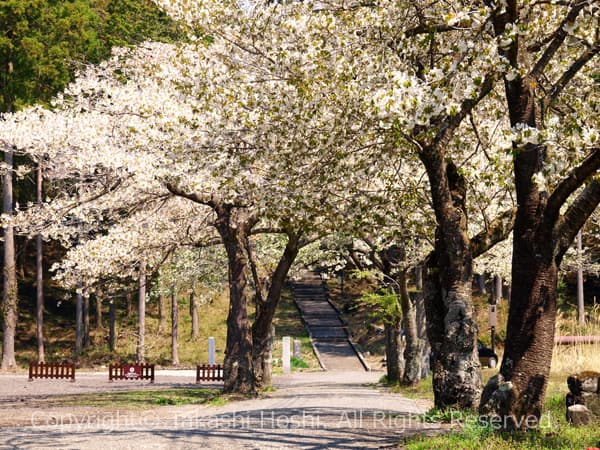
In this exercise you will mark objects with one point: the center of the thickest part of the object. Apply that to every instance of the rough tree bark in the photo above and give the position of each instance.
(266, 307)
(174, 328)
(393, 351)
(451, 328)
(414, 346)
(10, 295)
(234, 225)
(541, 234)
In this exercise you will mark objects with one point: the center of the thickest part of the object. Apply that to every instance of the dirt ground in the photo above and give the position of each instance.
(313, 410)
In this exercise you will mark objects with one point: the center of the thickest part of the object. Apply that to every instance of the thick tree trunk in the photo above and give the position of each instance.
(194, 316)
(451, 327)
(112, 326)
(141, 314)
(174, 328)
(393, 351)
(79, 321)
(10, 294)
(233, 226)
(161, 314)
(413, 346)
(263, 324)
(517, 392)
(39, 287)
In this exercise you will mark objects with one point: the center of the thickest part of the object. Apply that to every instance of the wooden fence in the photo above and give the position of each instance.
(131, 372)
(51, 370)
(206, 372)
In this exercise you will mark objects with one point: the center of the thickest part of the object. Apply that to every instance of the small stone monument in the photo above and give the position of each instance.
(583, 399)
(286, 355)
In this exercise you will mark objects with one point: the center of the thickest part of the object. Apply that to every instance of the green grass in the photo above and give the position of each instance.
(143, 398)
(475, 433)
(59, 329)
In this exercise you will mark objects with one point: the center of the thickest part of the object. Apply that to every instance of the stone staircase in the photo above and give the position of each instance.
(326, 329)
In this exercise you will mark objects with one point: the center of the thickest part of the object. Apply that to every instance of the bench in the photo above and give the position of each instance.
(207, 372)
(51, 370)
(131, 372)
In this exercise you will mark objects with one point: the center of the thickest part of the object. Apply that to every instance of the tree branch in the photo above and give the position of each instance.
(204, 199)
(570, 184)
(559, 35)
(496, 232)
(576, 215)
(569, 74)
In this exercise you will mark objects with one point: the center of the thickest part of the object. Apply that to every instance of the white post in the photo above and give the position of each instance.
(211, 351)
(287, 367)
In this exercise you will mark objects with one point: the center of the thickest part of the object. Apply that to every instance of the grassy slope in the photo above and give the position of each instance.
(59, 333)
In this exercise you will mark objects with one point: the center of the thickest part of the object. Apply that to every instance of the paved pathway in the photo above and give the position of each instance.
(318, 410)
(324, 325)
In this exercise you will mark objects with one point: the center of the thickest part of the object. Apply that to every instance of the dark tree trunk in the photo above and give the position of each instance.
(414, 346)
(234, 225)
(39, 285)
(161, 313)
(451, 328)
(79, 321)
(541, 235)
(98, 313)
(112, 328)
(481, 283)
(140, 354)
(86, 321)
(393, 351)
(174, 328)
(194, 316)
(263, 324)
(422, 321)
(9, 298)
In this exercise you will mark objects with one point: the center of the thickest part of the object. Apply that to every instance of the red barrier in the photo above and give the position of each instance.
(51, 370)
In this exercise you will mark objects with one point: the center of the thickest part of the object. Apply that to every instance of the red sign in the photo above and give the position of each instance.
(132, 371)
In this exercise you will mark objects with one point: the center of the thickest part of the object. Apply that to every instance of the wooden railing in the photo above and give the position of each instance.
(51, 370)
(131, 372)
(206, 372)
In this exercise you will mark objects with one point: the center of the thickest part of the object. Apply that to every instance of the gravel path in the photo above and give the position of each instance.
(311, 410)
